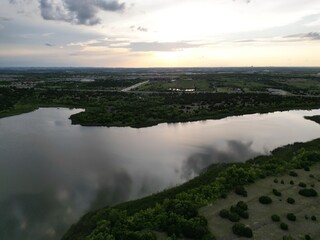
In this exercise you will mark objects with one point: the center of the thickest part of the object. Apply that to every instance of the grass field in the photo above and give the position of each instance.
(260, 215)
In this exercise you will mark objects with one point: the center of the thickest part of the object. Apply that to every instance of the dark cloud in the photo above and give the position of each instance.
(304, 36)
(83, 12)
(139, 28)
(246, 41)
(161, 46)
(19, 1)
(235, 152)
(5, 19)
(142, 29)
(49, 45)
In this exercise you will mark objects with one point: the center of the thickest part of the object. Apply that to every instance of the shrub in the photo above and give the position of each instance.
(242, 205)
(224, 213)
(302, 184)
(223, 195)
(244, 214)
(290, 200)
(312, 185)
(284, 226)
(238, 210)
(262, 176)
(282, 182)
(307, 169)
(291, 217)
(307, 237)
(234, 217)
(240, 190)
(241, 230)
(293, 174)
(314, 218)
(306, 217)
(308, 192)
(275, 180)
(265, 200)
(275, 218)
(311, 176)
(276, 192)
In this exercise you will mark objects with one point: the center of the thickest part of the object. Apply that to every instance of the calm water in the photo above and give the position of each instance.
(52, 172)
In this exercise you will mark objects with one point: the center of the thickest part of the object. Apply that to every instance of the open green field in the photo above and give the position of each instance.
(260, 215)
(239, 82)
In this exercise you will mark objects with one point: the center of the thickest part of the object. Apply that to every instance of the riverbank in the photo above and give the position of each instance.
(175, 211)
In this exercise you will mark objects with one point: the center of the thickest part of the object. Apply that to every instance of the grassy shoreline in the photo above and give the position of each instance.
(158, 212)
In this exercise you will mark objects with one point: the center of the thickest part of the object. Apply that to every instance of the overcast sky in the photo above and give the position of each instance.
(159, 33)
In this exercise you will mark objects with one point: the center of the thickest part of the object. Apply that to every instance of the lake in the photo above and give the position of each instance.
(52, 172)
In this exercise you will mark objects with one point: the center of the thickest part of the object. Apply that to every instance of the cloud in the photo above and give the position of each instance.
(236, 152)
(246, 1)
(306, 36)
(5, 19)
(82, 12)
(300, 37)
(161, 46)
(139, 28)
(49, 45)
(19, 1)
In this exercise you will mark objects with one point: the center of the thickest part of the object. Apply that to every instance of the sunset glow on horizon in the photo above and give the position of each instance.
(140, 33)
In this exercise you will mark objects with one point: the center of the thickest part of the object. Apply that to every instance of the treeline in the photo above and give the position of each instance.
(147, 110)
(142, 110)
(10, 96)
(177, 214)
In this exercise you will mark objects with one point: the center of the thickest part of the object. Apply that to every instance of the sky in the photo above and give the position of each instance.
(159, 33)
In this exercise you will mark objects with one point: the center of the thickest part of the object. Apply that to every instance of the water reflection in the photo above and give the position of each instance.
(235, 151)
(51, 172)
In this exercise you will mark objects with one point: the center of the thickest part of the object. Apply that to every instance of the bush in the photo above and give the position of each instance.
(314, 218)
(282, 182)
(311, 176)
(291, 217)
(302, 184)
(308, 192)
(275, 180)
(223, 195)
(244, 214)
(224, 213)
(275, 218)
(234, 217)
(307, 237)
(284, 226)
(262, 176)
(242, 205)
(291, 182)
(276, 192)
(307, 169)
(240, 190)
(195, 228)
(290, 200)
(241, 230)
(265, 200)
(306, 217)
(293, 174)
